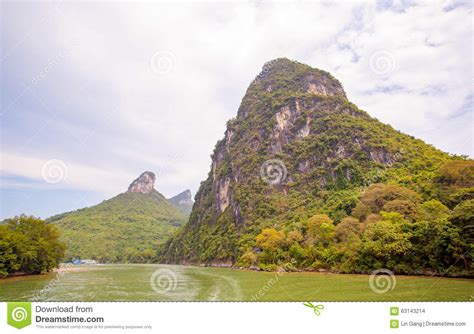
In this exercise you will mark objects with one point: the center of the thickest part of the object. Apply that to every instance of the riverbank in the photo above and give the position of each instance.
(64, 268)
(230, 265)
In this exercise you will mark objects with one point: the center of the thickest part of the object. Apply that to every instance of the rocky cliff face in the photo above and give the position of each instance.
(143, 184)
(184, 201)
(296, 145)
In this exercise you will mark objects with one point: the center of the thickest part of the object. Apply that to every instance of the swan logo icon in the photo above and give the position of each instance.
(19, 314)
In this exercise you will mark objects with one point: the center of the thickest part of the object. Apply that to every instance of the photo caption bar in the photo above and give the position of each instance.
(97, 317)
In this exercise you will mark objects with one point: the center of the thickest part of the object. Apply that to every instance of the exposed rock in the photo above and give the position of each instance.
(322, 86)
(223, 197)
(183, 201)
(304, 131)
(381, 156)
(228, 137)
(303, 166)
(143, 184)
(283, 129)
(341, 152)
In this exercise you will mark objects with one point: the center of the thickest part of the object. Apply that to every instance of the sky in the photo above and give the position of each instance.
(93, 94)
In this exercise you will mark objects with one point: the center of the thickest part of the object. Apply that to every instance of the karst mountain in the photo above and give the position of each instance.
(298, 148)
(126, 228)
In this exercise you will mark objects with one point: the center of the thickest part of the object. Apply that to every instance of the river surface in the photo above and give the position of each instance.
(150, 282)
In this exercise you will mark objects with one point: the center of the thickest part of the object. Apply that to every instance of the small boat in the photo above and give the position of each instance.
(87, 261)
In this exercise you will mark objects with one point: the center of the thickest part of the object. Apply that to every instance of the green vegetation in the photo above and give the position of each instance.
(127, 228)
(358, 195)
(390, 226)
(411, 238)
(28, 246)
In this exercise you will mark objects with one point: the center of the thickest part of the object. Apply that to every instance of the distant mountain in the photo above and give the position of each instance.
(126, 228)
(301, 169)
(183, 201)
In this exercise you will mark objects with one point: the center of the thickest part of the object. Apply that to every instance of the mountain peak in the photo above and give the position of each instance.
(290, 75)
(183, 201)
(282, 79)
(143, 184)
(187, 193)
(184, 196)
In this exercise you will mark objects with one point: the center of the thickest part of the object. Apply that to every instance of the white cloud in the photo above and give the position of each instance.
(115, 117)
(57, 173)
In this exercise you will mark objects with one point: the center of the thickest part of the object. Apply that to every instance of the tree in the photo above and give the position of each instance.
(377, 195)
(320, 230)
(406, 208)
(349, 253)
(346, 227)
(372, 218)
(248, 259)
(459, 174)
(294, 237)
(463, 215)
(8, 258)
(437, 246)
(271, 242)
(29, 245)
(319, 241)
(463, 218)
(270, 239)
(434, 210)
(385, 243)
(454, 182)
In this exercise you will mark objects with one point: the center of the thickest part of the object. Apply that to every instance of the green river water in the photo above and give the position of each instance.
(133, 282)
